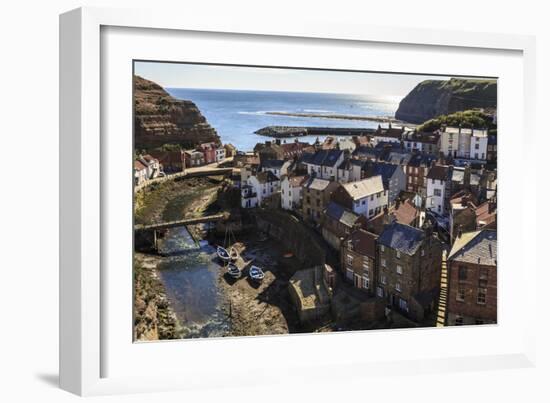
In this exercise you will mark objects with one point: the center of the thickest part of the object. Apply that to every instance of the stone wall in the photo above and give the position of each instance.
(304, 243)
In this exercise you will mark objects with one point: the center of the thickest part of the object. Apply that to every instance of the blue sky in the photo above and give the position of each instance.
(179, 75)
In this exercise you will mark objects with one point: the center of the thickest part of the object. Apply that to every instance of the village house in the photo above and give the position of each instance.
(193, 158)
(338, 222)
(438, 188)
(472, 265)
(367, 152)
(269, 150)
(403, 212)
(409, 262)
(400, 158)
(316, 194)
(417, 170)
(350, 170)
(154, 168)
(324, 164)
(277, 167)
(220, 153)
(492, 149)
(461, 142)
(478, 144)
(393, 177)
(172, 161)
(366, 197)
(424, 142)
(295, 149)
(291, 192)
(209, 151)
(358, 259)
(230, 150)
(262, 185)
(140, 172)
(387, 135)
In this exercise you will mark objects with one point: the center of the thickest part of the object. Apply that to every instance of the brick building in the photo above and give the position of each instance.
(409, 262)
(472, 265)
(416, 172)
(316, 197)
(358, 259)
(338, 222)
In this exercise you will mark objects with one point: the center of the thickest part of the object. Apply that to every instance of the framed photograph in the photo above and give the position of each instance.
(235, 196)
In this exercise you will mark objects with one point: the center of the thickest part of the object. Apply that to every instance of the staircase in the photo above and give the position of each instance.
(443, 292)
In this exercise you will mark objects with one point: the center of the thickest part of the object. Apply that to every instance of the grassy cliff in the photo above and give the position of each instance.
(433, 98)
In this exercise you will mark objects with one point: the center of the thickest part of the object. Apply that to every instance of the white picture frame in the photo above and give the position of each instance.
(85, 344)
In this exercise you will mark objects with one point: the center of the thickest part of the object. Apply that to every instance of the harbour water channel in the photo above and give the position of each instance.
(190, 274)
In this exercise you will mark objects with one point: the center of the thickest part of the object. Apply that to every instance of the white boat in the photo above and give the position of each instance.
(233, 270)
(233, 253)
(223, 254)
(255, 273)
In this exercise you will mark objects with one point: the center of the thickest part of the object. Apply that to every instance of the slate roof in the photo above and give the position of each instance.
(325, 157)
(418, 160)
(404, 238)
(478, 247)
(364, 242)
(363, 188)
(367, 151)
(401, 158)
(317, 184)
(276, 164)
(266, 176)
(385, 170)
(341, 214)
(439, 172)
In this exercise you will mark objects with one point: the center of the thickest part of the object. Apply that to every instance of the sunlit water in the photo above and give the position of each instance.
(237, 114)
(190, 277)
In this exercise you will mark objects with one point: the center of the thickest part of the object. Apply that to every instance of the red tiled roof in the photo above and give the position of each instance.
(406, 213)
(138, 165)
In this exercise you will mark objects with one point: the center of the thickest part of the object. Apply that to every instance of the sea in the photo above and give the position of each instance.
(237, 114)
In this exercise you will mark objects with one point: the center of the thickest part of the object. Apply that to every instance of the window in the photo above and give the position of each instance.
(382, 249)
(363, 202)
(477, 146)
(482, 283)
(380, 292)
(459, 320)
(397, 254)
(365, 282)
(372, 197)
(383, 279)
(460, 294)
(399, 269)
(349, 274)
(378, 195)
(433, 181)
(437, 192)
(383, 262)
(483, 274)
(366, 264)
(350, 259)
(371, 212)
(462, 273)
(398, 286)
(403, 305)
(481, 296)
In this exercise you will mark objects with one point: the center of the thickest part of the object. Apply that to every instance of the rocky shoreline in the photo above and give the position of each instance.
(153, 317)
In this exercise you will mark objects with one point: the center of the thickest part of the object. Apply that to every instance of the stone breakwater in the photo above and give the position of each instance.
(299, 131)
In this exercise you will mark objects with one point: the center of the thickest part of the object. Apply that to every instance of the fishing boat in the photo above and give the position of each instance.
(223, 254)
(256, 274)
(233, 270)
